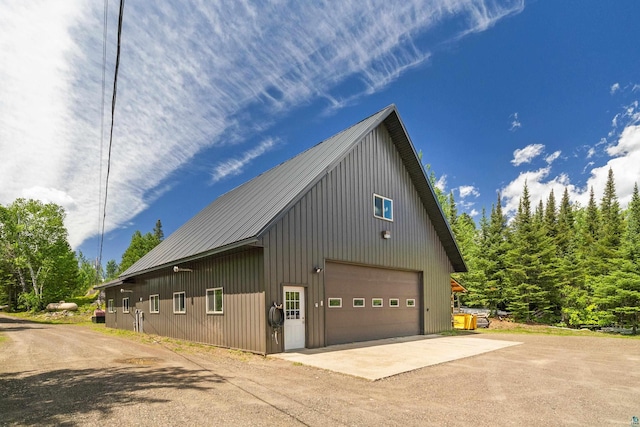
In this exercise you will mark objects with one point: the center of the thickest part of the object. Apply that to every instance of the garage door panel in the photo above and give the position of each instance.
(350, 324)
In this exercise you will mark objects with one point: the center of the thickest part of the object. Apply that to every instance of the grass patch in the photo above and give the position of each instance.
(456, 332)
(82, 316)
(175, 345)
(77, 318)
(502, 327)
(2, 338)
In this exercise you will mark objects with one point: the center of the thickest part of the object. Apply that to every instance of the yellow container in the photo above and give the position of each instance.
(465, 321)
(471, 322)
(459, 320)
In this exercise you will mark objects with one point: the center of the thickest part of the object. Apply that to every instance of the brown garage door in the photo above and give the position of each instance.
(368, 303)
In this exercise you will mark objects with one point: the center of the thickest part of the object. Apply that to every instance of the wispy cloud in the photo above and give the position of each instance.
(233, 167)
(614, 88)
(552, 157)
(441, 183)
(468, 190)
(526, 154)
(515, 122)
(193, 75)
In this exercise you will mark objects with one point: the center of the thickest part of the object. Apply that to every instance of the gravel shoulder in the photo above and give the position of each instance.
(73, 375)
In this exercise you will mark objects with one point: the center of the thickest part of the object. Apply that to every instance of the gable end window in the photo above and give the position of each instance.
(214, 301)
(179, 305)
(125, 305)
(154, 303)
(382, 207)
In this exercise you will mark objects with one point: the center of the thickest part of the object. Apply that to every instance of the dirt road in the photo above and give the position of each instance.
(71, 375)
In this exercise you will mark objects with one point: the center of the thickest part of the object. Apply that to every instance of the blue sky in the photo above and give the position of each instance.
(211, 94)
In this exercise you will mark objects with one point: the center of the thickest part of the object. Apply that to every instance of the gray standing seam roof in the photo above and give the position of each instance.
(239, 216)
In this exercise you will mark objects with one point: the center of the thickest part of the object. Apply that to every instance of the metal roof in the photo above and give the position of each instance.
(238, 217)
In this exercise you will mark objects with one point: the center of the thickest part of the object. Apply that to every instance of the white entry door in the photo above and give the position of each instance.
(294, 330)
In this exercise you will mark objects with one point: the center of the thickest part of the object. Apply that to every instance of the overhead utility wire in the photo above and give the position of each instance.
(113, 110)
(104, 90)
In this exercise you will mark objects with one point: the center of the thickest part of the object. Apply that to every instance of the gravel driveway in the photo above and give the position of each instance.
(73, 375)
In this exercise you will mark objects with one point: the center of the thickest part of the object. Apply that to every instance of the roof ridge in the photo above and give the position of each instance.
(245, 211)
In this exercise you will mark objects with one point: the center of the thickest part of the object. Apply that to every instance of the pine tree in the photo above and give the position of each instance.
(618, 292)
(565, 230)
(550, 216)
(497, 291)
(611, 236)
(157, 231)
(452, 211)
(538, 217)
(140, 245)
(530, 266)
(631, 247)
(589, 256)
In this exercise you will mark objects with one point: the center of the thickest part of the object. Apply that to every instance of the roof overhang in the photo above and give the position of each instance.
(247, 243)
(457, 287)
(110, 284)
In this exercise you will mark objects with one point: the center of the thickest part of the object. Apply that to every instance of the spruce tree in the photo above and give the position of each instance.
(565, 227)
(497, 291)
(530, 267)
(631, 246)
(611, 236)
(618, 292)
(550, 216)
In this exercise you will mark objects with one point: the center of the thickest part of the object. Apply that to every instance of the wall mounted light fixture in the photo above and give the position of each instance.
(317, 270)
(386, 234)
(122, 291)
(177, 269)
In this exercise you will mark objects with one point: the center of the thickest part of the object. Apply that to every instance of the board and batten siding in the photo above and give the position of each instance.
(243, 322)
(334, 221)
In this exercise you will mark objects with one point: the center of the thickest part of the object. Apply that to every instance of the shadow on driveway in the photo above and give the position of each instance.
(54, 397)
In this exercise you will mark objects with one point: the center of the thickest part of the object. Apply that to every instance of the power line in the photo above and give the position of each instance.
(113, 110)
(104, 90)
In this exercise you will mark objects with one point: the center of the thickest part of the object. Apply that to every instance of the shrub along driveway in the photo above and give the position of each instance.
(73, 375)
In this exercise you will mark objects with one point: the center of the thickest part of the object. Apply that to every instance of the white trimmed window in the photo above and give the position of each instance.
(125, 305)
(110, 306)
(179, 303)
(377, 302)
(358, 302)
(214, 301)
(411, 302)
(382, 207)
(154, 303)
(335, 302)
(394, 302)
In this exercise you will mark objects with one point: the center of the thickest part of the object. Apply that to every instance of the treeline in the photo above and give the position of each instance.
(555, 264)
(37, 264)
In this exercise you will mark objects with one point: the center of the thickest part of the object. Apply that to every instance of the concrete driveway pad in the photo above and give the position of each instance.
(374, 360)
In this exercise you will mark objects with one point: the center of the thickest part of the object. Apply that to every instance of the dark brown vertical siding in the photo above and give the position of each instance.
(243, 323)
(334, 221)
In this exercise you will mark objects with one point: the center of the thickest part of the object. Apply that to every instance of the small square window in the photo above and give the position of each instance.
(382, 207)
(358, 302)
(335, 302)
(125, 305)
(179, 305)
(154, 303)
(394, 302)
(377, 302)
(214, 301)
(110, 306)
(411, 302)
